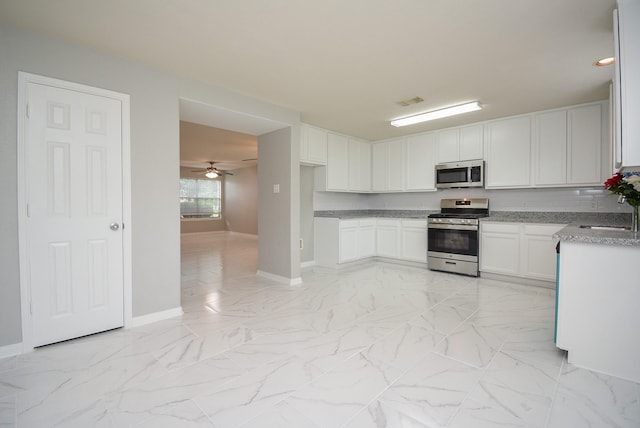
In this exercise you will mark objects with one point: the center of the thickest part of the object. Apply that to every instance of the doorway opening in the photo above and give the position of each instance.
(222, 146)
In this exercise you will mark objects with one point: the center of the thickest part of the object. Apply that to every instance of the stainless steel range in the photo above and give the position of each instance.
(453, 237)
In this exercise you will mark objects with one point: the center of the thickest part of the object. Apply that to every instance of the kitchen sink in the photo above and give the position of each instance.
(619, 228)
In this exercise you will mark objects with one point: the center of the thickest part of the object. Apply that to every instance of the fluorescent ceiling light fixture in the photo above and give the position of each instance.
(437, 114)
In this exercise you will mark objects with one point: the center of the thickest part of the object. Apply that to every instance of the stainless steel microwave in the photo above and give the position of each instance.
(460, 174)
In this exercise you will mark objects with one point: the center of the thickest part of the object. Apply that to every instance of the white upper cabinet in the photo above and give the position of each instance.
(627, 84)
(458, 144)
(379, 167)
(337, 162)
(550, 148)
(568, 146)
(420, 162)
(388, 166)
(471, 142)
(359, 166)
(348, 165)
(561, 147)
(508, 152)
(584, 148)
(396, 166)
(313, 145)
(448, 149)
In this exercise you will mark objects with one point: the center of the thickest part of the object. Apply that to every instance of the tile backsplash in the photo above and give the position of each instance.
(554, 199)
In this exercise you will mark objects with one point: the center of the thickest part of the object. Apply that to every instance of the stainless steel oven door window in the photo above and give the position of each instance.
(453, 241)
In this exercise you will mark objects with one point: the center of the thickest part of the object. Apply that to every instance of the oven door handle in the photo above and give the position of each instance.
(452, 226)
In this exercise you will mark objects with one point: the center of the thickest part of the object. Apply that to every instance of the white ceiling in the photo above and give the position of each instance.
(345, 63)
(201, 144)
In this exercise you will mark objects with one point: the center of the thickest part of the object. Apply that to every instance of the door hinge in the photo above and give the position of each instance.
(31, 307)
(28, 211)
(27, 112)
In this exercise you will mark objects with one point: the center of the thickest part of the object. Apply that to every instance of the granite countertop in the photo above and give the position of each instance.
(572, 232)
(573, 220)
(557, 217)
(350, 214)
(575, 233)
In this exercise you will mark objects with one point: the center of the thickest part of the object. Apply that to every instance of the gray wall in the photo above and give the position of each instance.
(241, 200)
(278, 221)
(306, 213)
(154, 147)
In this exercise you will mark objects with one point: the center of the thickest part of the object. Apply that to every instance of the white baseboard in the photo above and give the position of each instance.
(519, 280)
(308, 264)
(156, 316)
(10, 350)
(280, 279)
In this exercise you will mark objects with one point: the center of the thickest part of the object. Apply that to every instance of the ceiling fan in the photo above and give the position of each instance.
(211, 171)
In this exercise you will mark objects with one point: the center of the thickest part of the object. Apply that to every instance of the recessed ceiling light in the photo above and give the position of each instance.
(437, 114)
(604, 61)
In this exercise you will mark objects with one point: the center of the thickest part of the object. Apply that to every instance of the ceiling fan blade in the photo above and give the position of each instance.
(246, 160)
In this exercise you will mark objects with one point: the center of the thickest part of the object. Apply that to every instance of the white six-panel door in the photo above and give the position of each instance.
(73, 175)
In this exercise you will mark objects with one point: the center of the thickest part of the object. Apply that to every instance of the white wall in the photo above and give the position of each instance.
(154, 147)
(241, 200)
(558, 199)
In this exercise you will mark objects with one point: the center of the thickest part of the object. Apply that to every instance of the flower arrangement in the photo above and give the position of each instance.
(626, 185)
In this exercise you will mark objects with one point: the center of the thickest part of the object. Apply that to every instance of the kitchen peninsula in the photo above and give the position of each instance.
(598, 296)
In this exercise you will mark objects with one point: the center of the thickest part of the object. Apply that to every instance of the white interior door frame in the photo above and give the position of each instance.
(24, 79)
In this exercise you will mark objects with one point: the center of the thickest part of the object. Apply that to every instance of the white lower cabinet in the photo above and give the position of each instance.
(388, 238)
(367, 238)
(499, 248)
(348, 239)
(341, 241)
(524, 250)
(597, 311)
(413, 240)
(538, 251)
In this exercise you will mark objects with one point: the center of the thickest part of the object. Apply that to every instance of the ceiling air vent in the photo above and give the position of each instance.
(414, 100)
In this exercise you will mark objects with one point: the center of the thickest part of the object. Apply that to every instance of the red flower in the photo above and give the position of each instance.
(613, 181)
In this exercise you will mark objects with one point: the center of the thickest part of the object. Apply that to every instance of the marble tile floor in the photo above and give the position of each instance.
(375, 345)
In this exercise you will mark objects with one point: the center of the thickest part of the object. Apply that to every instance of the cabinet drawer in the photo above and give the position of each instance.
(387, 222)
(415, 224)
(367, 222)
(501, 227)
(349, 223)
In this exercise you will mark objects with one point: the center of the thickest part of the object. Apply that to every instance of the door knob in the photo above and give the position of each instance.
(114, 226)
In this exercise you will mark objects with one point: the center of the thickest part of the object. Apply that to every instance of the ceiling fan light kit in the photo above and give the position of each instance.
(437, 114)
(211, 171)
